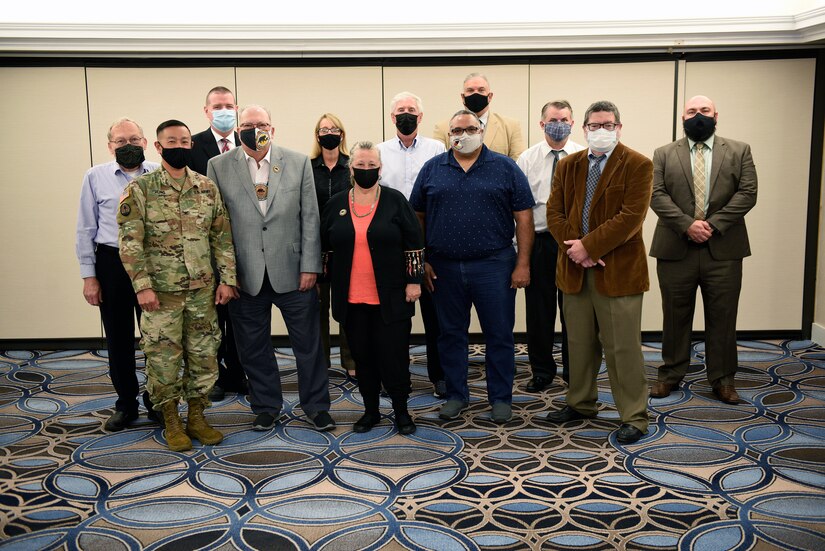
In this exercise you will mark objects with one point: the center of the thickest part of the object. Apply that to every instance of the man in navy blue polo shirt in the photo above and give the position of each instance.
(466, 200)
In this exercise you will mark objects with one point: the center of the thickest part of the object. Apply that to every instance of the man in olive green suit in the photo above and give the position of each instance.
(703, 187)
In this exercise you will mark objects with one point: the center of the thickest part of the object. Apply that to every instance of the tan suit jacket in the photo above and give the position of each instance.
(732, 195)
(617, 212)
(502, 135)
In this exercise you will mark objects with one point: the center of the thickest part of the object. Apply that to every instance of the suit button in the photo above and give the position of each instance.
(264, 228)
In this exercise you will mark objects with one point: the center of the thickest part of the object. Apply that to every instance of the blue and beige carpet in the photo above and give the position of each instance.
(708, 476)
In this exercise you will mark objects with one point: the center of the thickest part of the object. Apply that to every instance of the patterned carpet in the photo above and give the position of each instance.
(707, 476)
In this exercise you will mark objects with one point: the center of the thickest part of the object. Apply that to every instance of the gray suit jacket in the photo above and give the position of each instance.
(732, 195)
(286, 240)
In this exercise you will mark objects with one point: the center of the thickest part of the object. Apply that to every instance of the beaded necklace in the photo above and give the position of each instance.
(372, 208)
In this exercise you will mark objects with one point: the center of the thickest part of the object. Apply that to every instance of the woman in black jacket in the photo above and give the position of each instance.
(373, 253)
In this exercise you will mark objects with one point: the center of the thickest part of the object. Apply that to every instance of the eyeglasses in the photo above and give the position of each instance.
(609, 126)
(259, 126)
(471, 130)
(325, 131)
(120, 142)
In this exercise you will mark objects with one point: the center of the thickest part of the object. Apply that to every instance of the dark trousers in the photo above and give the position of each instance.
(720, 282)
(252, 319)
(346, 356)
(382, 355)
(230, 372)
(431, 332)
(118, 311)
(540, 302)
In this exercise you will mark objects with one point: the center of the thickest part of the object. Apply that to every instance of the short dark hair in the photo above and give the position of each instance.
(171, 122)
(558, 104)
(466, 112)
(600, 106)
(218, 90)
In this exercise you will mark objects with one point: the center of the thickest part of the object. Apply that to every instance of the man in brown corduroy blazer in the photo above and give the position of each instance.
(597, 206)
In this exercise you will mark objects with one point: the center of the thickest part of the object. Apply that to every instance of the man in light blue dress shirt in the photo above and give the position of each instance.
(401, 159)
(105, 282)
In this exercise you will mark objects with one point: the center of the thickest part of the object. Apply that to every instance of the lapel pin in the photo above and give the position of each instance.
(342, 212)
(276, 169)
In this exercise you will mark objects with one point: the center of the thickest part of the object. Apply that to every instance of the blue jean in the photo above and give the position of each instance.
(485, 284)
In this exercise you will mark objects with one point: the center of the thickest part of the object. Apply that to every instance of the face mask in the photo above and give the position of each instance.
(557, 130)
(223, 119)
(406, 123)
(329, 141)
(365, 177)
(176, 157)
(699, 127)
(129, 156)
(476, 102)
(255, 139)
(601, 140)
(467, 144)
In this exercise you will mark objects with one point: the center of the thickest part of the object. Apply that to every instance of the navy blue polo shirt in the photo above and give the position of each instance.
(469, 214)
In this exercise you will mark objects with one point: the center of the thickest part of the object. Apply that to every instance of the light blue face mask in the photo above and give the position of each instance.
(224, 119)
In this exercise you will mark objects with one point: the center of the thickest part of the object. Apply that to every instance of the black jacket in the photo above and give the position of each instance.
(204, 147)
(396, 248)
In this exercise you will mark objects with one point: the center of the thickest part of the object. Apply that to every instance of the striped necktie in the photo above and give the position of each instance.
(699, 181)
(224, 145)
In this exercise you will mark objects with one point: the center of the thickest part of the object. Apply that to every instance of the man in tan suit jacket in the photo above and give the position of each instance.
(596, 210)
(701, 245)
(501, 134)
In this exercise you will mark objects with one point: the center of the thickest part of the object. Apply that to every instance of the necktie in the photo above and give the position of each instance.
(593, 175)
(224, 145)
(699, 181)
(556, 157)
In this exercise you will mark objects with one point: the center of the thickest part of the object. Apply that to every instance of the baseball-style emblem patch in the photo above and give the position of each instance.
(342, 212)
(261, 140)
(125, 209)
(260, 191)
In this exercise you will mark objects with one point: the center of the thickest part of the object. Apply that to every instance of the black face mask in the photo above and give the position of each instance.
(406, 123)
(176, 157)
(254, 139)
(365, 177)
(329, 141)
(699, 127)
(129, 156)
(476, 102)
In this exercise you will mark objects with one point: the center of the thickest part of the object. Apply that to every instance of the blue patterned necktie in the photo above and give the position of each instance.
(593, 176)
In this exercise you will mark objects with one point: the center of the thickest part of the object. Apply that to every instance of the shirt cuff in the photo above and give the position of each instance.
(87, 270)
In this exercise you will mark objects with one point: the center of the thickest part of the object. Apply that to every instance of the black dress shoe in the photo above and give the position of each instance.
(366, 422)
(404, 423)
(537, 384)
(627, 434)
(566, 414)
(119, 421)
(217, 394)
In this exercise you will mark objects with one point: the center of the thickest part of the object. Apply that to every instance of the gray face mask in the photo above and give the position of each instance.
(466, 143)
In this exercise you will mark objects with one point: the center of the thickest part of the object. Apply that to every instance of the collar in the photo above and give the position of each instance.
(603, 158)
(484, 157)
(708, 142)
(546, 149)
(413, 145)
(218, 137)
(247, 156)
(318, 161)
(142, 168)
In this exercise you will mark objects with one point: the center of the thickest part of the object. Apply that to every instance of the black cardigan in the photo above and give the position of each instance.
(396, 248)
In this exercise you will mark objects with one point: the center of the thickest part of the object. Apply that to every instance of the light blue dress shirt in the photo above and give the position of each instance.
(400, 165)
(97, 218)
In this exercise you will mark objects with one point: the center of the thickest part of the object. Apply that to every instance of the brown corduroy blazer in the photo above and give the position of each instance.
(617, 212)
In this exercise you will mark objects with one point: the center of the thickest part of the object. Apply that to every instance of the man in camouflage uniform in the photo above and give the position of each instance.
(172, 222)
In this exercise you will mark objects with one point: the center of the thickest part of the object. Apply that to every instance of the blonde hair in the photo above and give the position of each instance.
(342, 147)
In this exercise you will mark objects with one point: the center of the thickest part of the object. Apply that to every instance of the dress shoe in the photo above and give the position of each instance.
(727, 394)
(404, 423)
(627, 434)
(217, 394)
(537, 384)
(566, 414)
(660, 389)
(119, 421)
(366, 422)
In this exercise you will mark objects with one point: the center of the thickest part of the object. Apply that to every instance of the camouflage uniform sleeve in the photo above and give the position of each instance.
(130, 217)
(220, 240)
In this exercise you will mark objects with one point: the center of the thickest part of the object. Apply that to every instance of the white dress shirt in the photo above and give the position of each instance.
(260, 175)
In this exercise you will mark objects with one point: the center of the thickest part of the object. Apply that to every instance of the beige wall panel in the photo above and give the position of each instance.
(646, 113)
(773, 277)
(39, 197)
(149, 96)
(298, 96)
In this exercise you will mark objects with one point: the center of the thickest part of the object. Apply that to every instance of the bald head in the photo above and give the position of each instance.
(699, 104)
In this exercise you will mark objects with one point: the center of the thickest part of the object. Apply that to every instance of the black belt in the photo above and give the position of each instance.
(106, 249)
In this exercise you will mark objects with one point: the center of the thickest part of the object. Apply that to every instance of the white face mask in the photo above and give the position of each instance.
(465, 143)
(601, 140)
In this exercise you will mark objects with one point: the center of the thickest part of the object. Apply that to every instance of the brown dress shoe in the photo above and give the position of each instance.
(661, 389)
(726, 393)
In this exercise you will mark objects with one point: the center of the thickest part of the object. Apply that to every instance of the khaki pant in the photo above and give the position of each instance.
(597, 323)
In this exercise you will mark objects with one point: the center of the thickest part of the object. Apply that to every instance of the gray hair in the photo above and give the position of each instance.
(406, 95)
(118, 123)
(600, 106)
(477, 75)
(362, 146)
(466, 112)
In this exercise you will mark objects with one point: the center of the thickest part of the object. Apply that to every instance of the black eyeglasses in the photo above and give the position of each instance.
(609, 126)
(471, 130)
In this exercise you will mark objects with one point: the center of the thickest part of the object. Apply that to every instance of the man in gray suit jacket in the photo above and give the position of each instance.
(703, 186)
(270, 194)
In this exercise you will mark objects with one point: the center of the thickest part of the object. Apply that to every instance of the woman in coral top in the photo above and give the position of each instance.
(373, 252)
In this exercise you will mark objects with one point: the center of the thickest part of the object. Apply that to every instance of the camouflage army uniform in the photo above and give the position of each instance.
(168, 235)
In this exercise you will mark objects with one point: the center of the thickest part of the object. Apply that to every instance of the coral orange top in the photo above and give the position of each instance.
(362, 288)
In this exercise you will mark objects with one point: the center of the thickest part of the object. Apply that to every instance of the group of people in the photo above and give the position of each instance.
(461, 220)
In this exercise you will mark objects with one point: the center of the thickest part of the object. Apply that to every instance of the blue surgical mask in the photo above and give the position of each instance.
(557, 130)
(224, 119)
